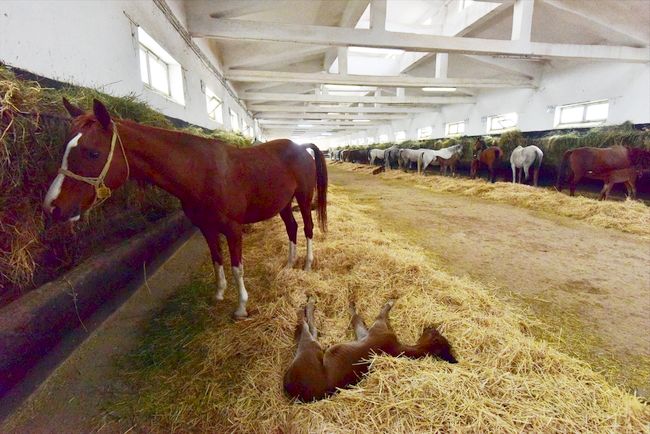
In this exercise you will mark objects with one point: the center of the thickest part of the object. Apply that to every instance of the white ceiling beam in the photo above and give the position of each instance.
(357, 99)
(342, 116)
(378, 15)
(371, 80)
(350, 17)
(246, 59)
(329, 123)
(528, 70)
(317, 109)
(522, 20)
(206, 27)
(343, 60)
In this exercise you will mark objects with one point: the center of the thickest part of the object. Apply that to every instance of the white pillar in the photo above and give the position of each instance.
(522, 20)
(442, 62)
(343, 60)
(378, 15)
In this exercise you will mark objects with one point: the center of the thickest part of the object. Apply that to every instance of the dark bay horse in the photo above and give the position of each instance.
(315, 374)
(485, 156)
(220, 187)
(595, 163)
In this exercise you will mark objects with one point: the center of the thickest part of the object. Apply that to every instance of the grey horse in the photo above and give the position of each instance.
(522, 158)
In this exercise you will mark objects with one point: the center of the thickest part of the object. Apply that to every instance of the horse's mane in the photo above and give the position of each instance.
(639, 157)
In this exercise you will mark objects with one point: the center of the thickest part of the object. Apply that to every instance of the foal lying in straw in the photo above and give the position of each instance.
(315, 374)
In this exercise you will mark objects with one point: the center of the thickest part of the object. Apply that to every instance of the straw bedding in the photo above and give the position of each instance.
(630, 216)
(198, 371)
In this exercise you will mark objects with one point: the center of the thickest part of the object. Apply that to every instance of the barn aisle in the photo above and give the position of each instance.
(589, 285)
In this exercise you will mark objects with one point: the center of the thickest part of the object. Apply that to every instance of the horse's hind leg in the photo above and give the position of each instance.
(359, 326)
(292, 232)
(304, 203)
(631, 189)
(514, 173)
(535, 176)
(382, 324)
(309, 312)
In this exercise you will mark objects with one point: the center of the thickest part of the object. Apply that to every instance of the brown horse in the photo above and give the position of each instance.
(588, 162)
(316, 374)
(627, 176)
(485, 156)
(221, 188)
(450, 163)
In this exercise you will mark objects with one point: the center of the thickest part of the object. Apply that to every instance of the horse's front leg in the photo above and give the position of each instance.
(292, 231)
(234, 236)
(211, 235)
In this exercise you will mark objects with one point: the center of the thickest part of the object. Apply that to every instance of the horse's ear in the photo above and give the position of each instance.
(72, 109)
(101, 113)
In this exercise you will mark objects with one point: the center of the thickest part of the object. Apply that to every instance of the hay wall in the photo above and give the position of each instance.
(33, 129)
(197, 371)
(552, 143)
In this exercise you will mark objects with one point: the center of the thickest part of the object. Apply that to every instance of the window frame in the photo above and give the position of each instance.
(583, 122)
(209, 96)
(448, 128)
(491, 119)
(427, 136)
(148, 55)
(236, 127)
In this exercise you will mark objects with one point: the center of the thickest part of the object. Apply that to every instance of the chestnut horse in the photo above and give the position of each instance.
(220, 187)
(316, 374)
(589, 162)
(485, 156)
(450, 163)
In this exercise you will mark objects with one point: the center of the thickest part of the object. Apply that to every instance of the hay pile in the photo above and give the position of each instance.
(198, 371)
(630, 216)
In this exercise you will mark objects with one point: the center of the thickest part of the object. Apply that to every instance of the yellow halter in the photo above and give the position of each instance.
(102, 192)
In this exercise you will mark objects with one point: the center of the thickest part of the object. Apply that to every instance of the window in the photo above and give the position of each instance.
(455, 128)
(215, 106)
(501, 122)
(425, 132)
(244, 128)
(582, 114)
(400, 136)
(383, 138)
(158, 69)
(371, 140)
(234, 121)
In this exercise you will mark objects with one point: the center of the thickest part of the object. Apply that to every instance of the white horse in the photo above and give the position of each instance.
(376, 154)
(523, 158)
(408, 156)
(429, 155)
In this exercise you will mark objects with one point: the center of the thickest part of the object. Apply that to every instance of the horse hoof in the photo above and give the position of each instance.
(239, 316)
(218, 297)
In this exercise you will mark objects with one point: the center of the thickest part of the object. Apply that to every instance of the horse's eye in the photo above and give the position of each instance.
(92, 154)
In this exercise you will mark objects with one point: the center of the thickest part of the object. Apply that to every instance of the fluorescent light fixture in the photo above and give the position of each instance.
(305, 125)
(325, 134)
(332, 113)
(360, 120)
(439, 89)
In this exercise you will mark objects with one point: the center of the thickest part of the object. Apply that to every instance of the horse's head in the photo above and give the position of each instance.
(639, 157)
(94, 163)
(479, 144)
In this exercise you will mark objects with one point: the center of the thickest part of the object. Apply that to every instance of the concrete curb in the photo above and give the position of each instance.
(32, 325)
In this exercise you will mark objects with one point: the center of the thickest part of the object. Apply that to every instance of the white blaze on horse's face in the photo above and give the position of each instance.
(55, 188)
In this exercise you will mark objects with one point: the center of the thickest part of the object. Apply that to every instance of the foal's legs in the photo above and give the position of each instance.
(211, 236)
(304, 203)
(359, 326)
(631, 189)
(292, 231)
(382, 324)
(309, 314)
(234, 236)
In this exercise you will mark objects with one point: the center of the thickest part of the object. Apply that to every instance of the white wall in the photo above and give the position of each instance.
(94, 43)
(626, 86)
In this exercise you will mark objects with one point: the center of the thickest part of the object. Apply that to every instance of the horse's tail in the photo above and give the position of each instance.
(499, 153)
(563, 166)
(539, 155)
(321, 186)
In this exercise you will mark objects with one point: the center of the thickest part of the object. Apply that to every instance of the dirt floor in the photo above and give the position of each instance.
(590, 287)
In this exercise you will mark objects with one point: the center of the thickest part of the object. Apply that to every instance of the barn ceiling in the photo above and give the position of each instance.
(306, 67)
